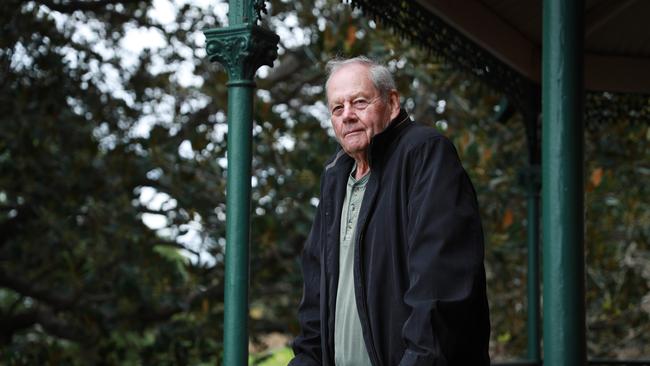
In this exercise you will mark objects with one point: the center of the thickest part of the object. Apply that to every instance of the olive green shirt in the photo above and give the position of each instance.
(349, 347)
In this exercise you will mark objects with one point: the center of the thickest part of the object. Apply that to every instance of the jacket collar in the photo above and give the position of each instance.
(382, 140)
(396, 125)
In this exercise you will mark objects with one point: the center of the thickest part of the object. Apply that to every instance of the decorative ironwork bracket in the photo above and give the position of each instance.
(242, 49)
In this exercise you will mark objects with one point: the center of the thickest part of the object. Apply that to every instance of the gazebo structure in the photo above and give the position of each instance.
(565, 52)
(551, 58)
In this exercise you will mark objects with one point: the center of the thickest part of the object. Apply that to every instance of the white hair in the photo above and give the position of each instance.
(379, 74)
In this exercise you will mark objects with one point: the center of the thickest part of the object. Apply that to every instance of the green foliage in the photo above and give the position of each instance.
(95, 140)
(276, 357)
(618, 240)
(84, 280)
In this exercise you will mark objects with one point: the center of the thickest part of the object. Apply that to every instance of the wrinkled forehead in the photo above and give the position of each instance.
(348, 82)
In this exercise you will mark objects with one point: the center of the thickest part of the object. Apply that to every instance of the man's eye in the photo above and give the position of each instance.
(360, 104)
(337, 109)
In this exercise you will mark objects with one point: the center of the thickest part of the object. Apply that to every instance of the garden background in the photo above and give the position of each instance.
(112, 183)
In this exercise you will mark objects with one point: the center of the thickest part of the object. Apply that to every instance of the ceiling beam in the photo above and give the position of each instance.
(600, 15)
(490, 32)
(477, 22)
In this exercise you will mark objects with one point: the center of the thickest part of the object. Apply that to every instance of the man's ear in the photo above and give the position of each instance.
(393, 103)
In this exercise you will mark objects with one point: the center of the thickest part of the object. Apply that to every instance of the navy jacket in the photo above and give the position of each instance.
(418, 266)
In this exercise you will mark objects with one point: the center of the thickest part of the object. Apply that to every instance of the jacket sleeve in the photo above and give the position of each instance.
(307, 346)
(444, 254)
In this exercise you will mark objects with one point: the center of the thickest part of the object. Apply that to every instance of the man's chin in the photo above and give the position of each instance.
(355, 150)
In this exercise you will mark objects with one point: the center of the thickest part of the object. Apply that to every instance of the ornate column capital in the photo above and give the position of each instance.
(242, 49)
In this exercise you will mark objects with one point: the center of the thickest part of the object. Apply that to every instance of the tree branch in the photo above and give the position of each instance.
(9, 325)
(72, 6)
(143, 209)
(167, 312)
(294, 61)
(25, 288)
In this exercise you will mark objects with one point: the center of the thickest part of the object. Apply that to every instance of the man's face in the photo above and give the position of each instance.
(357, 110)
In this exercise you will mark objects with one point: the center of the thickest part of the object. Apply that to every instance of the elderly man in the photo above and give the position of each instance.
(393, 266)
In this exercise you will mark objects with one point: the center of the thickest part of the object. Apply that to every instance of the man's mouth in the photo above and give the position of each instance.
(353, 132)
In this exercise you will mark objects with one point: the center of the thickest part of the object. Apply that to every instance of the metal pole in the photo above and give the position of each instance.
(562, 183)
(241, 48)
(240, 99)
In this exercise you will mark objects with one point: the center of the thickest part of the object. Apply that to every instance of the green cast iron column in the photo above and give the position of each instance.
(238, 221)
(241, 48)
(562, 183)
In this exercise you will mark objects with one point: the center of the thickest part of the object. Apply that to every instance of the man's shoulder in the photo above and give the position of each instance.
(424, 131)
(419, 134)
(338, 156)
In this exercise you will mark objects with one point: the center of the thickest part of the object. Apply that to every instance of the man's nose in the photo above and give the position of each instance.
(349, 114)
